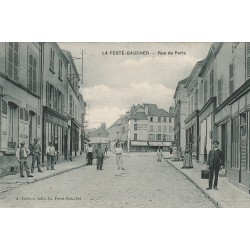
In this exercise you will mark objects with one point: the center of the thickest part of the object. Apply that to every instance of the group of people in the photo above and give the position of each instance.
(22, 154)
(100, 155)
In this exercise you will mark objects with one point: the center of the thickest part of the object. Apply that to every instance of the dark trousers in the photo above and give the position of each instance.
(90, 158)
(35, 158)
(99, 162)
(23, 164)
(50, 161)
(214, 173)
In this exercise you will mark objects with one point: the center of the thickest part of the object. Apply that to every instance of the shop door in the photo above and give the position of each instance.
(243, 147)
(65, 143)
(224, 142)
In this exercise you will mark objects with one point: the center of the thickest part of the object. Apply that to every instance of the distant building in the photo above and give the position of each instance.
(144, 128)
(98, 135)
(180, 114)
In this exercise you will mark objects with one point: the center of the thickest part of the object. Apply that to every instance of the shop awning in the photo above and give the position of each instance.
(139, 143)
(155, 143)
(167, 143)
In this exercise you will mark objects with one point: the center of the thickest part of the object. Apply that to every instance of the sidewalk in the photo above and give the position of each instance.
(11, 182)
(227, 195)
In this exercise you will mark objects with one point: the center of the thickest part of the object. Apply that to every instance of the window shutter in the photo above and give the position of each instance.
(34, 76)
(16, 61)
(21, 113)
(4, 107)
(248, 61)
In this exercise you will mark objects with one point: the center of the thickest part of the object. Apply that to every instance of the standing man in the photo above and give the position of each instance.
(22, 155)
(89, 154)
(36, 152)
(51, 152)
(215, 162)
(100, 156)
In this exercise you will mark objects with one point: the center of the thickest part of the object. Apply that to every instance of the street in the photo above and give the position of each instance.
(144, 183)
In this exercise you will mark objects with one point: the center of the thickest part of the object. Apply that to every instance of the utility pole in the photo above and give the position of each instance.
(82, 68)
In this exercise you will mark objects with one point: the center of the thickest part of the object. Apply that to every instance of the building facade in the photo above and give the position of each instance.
(20, 99)
(223, 110)
(144, 128)
(180, 114)
(34, 102)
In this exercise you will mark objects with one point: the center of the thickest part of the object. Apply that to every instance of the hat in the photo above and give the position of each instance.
(215, 142)
(22, 142)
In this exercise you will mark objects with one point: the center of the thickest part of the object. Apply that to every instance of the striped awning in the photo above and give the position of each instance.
(139, 143)
(155, 143)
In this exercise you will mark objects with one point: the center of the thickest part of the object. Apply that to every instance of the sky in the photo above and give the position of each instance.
(118, 75)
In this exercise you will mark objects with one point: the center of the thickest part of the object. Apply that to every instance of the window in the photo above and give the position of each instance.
(159, 128)
(151, 119)
(32, 78)
(135, 127)
(205, 91)
(170, 129)
(196, 99)
(165, 128)
(212, 83)
(164, 137)
(231, 78)
(71, 105)
(52, 60)
(13, 61)
(220, 90)
(135, 120)
(170, 119)
(135, 137)
(159, 119)
(158, 137)
(165, 119)
(192, 104)
(151, 128)
(4, 107)
(60, 69)
(13, 126)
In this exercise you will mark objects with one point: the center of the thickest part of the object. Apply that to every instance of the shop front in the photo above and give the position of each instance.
(55, 130)
(138, 146)
(192, 133)
(206, 129)
(239, 172)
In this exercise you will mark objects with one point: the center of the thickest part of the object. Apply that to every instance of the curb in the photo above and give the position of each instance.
(40, 179)
(216, 203)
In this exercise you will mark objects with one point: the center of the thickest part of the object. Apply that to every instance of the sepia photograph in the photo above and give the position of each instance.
(124, 125)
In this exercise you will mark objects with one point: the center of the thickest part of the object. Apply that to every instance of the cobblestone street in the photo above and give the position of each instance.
(145, 183)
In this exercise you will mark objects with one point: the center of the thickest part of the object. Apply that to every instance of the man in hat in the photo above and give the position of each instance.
(22, 155)
(100, 156)
(36, 152)
(215, 162)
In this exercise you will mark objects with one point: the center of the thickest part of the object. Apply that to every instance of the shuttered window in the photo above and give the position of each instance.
(205, 91)
(60, 69)
(70, 105)
(32, 78)
(4, 107)
(13, 61)
(52, 60)
(231, 78)
(220, 90)
(21, 114)
(212, 83)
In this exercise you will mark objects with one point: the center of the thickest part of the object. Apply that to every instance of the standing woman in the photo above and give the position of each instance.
(174, 152)
(119, 160)
(187, 162)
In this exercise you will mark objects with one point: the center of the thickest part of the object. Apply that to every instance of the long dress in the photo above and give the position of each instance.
(174, 152)
(187, 161)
